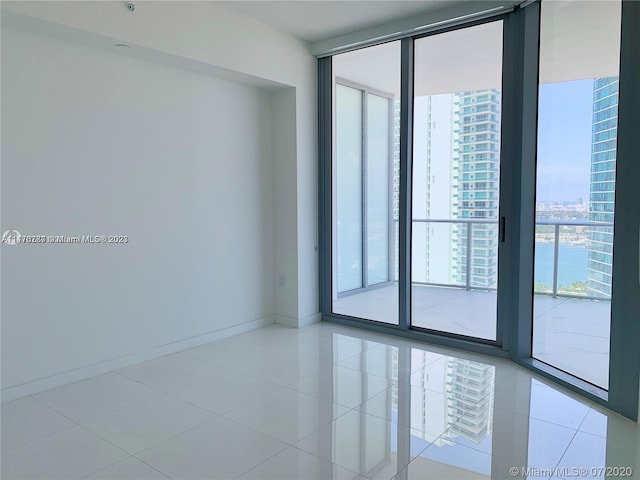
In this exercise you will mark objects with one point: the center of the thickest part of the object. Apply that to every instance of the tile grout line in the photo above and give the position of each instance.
(575, 433)
(75, 424)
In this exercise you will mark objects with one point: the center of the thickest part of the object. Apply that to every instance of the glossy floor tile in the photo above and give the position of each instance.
(322, 402)
(287, 415)
(28, 419)
(148, 423)
(128, 469)
(170, 372)
(96, 396)
(72, 453)
(219, 449)
(239, 390)
(365, 444)
(294, 463)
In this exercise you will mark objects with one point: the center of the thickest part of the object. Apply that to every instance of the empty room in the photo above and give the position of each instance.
(320, 239)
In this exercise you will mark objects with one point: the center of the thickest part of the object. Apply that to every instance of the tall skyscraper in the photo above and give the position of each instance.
(395, 211)
(396, 159)
(456, 165)
(475, 180)
(602, 185)
(432, 147)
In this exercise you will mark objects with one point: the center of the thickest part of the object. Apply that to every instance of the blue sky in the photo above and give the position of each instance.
(564, 140)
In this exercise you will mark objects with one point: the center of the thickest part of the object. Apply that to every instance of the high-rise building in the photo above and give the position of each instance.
(602, 185)
(396, 159)
(456, 156)
(475, 181)
(431, 189)
(396, 188)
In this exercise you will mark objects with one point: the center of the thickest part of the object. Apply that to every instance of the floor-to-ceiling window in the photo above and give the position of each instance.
(456, 180)
(575, 186)
(468, 182)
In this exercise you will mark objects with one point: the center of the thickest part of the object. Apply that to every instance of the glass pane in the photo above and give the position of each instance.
(366, 173)
(349, 187)
(456, 180)
(426, 267)
(577, 126)
(571, 262)
(378, 172)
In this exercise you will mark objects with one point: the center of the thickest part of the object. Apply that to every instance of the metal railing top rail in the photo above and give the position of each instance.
(574, 223)
(570, 223)
(459, 220)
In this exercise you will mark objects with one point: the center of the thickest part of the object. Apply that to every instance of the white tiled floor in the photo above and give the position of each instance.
(322, 402)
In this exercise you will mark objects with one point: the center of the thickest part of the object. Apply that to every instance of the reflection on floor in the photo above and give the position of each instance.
(322, 402)
(570, 334)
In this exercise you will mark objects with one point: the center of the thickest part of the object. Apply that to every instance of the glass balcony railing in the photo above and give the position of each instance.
(572, 258)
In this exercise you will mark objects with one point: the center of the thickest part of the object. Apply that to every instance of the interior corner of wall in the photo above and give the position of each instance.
(299, 322)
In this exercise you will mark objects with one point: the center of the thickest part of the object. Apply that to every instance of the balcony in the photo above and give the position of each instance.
(572, 321)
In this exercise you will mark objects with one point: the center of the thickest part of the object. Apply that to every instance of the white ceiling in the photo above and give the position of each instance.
(467, 59)
(314, 20)
(579, 40)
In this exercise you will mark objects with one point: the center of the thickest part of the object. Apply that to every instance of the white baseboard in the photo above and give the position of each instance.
(286, 321)
(311, 319)
(71, 376)
(297, 322)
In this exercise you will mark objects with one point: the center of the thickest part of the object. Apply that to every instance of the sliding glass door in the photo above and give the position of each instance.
(455, 208)
(455, 182)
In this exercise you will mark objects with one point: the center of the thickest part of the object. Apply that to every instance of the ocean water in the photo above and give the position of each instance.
(572, 264)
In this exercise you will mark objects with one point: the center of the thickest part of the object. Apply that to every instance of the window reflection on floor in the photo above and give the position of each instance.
(427, 414)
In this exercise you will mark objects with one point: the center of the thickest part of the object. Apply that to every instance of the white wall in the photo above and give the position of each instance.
(213, 181)
(207, 34)
(284, 146)
(100, 143)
